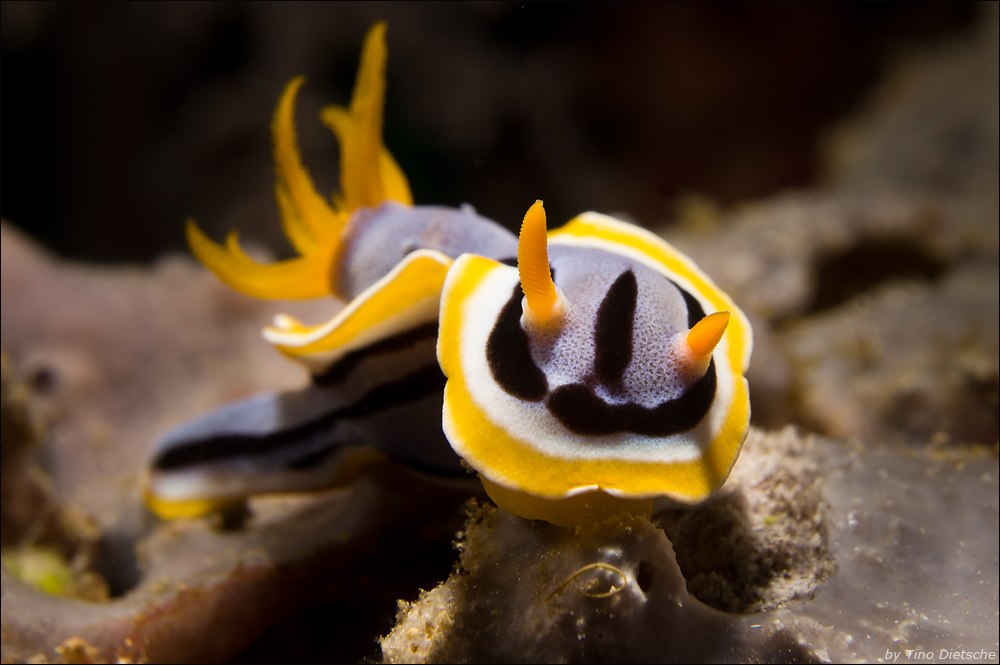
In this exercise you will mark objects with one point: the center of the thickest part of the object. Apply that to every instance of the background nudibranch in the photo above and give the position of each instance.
(580, 372)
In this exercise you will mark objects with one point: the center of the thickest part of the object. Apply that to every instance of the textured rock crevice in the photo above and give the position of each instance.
(846, 568)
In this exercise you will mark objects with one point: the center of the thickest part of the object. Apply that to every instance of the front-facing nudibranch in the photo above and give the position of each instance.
(591, 377)
(580, 372)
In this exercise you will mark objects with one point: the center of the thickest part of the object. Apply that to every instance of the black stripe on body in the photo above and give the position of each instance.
(581, 411)
(410, 388)
(508, 353)
(613, 330)
(404, 340)
(695, 311)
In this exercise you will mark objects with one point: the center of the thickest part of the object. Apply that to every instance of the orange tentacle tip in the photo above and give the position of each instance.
(707, 334)
(544, 303)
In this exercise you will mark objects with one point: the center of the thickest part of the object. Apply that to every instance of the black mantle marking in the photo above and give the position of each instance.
(583, 412)
(508, 353)
(613, 330)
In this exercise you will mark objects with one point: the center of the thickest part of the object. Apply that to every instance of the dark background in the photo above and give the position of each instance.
(120, 120)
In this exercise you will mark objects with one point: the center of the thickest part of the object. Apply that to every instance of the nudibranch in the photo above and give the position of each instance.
(579, 372)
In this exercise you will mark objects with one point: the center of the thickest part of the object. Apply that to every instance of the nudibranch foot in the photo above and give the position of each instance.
(305, 440)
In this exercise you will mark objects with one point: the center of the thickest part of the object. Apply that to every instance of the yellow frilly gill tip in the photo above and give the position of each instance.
(543, 300)
(707, 333)
(369, 175)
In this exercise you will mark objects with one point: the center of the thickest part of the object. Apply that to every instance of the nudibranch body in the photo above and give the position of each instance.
(580, 372)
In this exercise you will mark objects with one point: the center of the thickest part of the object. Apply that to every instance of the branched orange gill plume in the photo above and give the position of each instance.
(368, 175)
